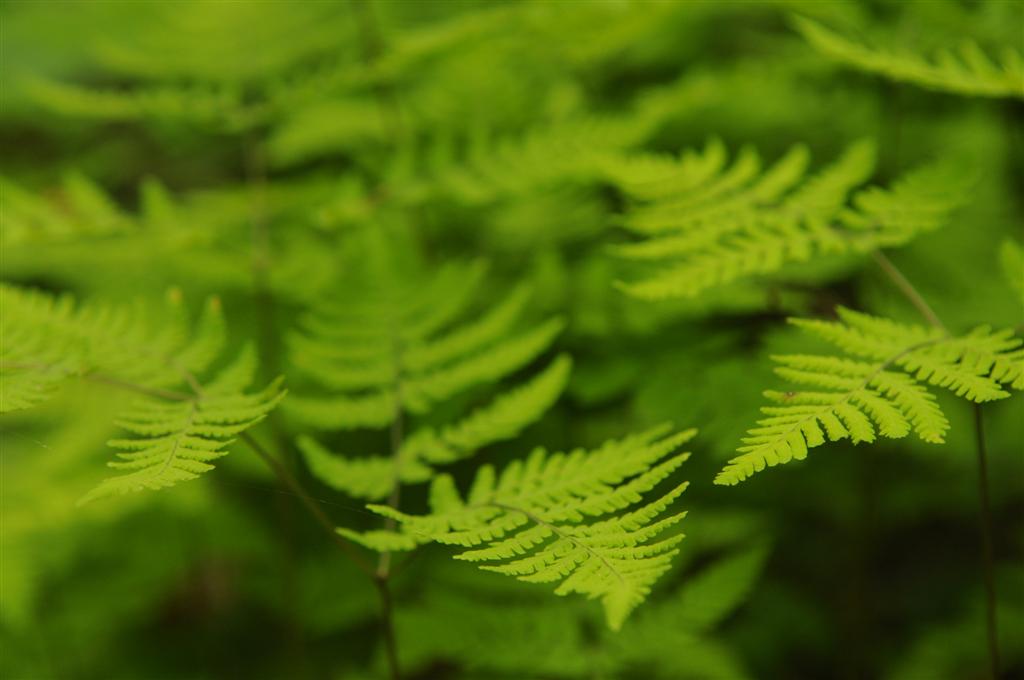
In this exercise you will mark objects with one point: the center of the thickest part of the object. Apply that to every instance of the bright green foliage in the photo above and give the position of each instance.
(563, 518)
(327, 169)
(176, 440)
(392, 348)
(47, 340)
(87, 209)
(967, 70)
(484, 168)
(879, 387)
(706, 223)
(211, 106)
(191, 64)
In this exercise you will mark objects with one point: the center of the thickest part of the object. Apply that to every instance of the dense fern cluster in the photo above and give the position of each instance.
(490, 249)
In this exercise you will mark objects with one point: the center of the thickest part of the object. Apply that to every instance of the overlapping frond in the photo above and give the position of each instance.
(176, 440)
(46, 339)
(704, 223)
(566, 518)
(383, 353)
(965, 70)
(879, 387)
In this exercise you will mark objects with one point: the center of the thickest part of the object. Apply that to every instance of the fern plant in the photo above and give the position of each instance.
(338, 172)
(704, 224)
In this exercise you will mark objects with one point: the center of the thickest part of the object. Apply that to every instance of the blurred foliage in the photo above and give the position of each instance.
(247, 149)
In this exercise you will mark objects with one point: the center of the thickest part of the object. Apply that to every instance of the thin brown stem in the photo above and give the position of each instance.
(985, 509)
(372, 45)
(988, 561)
(289, 480)
(908, 290)
(383, 573)
(388, 626)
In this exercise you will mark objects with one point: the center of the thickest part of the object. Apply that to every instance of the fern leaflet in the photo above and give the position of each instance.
(967, 70)
(879, 388)
(564, 518)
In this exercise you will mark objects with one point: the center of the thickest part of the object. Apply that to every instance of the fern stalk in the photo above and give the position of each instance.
(289, 480)
(991, 625)
(382, 575)
(372, 45)
(985, 509)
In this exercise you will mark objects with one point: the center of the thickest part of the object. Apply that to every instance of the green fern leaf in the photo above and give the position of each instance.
(879, 388)
(48, 339)
(704, 225)
(967, 70)
(505, 417)
(565, 518)
(177, 441)
(404, 351)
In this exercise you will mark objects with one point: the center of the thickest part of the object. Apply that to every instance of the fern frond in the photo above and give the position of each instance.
(47, 339)
(705, 224)
(386, 353)
(564, 518)
(880, 387)
(505, 417)
(204, 105)
(967, 70)
(177, 441)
